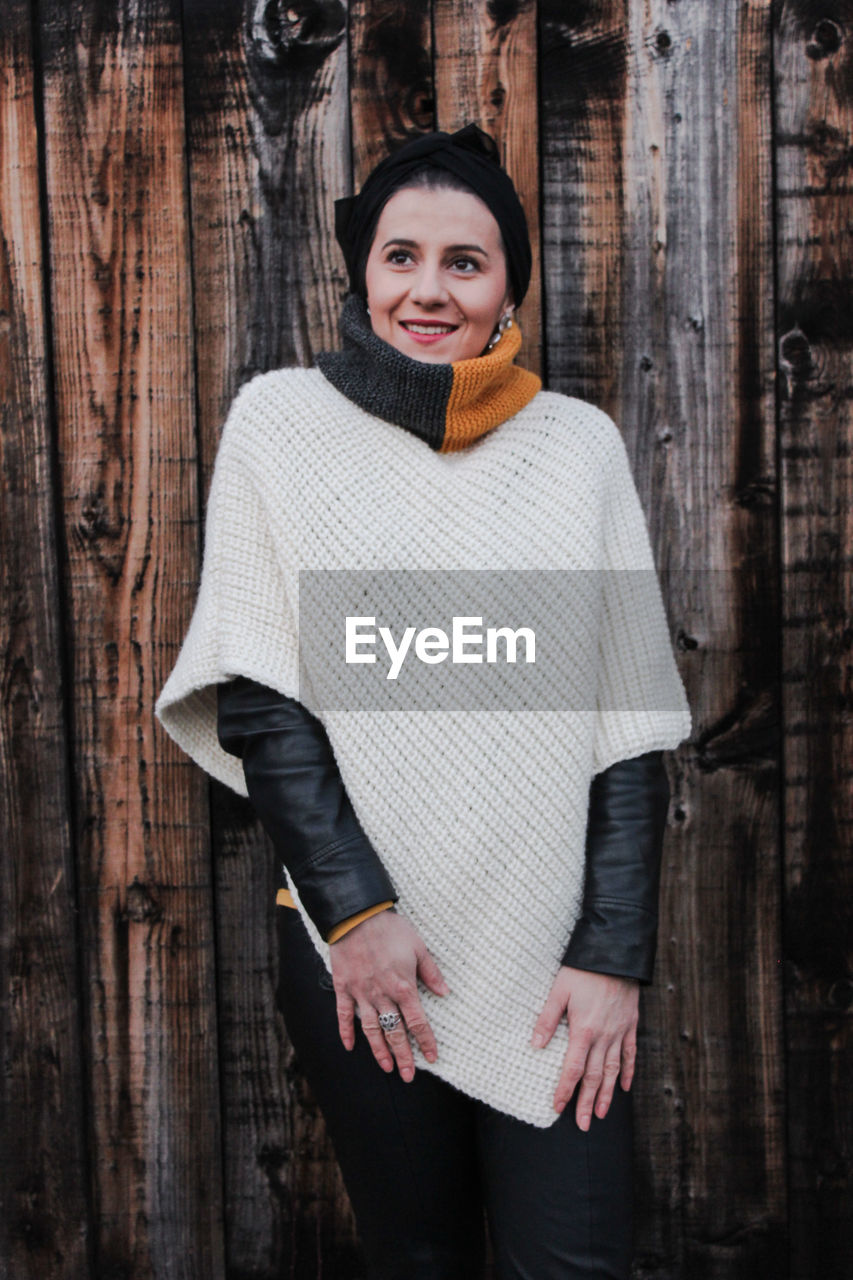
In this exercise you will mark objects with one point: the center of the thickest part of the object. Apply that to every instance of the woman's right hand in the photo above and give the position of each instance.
(375, 969)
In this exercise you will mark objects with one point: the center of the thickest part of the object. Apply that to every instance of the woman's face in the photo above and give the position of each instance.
(436, 275)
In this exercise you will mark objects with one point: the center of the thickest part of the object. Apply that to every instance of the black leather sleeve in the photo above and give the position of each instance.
(617, 930)
(297, 792)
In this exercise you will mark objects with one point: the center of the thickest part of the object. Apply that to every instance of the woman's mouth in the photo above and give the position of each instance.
(426, 330)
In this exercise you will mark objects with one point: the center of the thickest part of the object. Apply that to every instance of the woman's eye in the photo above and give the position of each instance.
(398, 256)
(465, 262)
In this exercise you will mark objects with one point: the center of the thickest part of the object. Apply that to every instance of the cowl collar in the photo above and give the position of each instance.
(447, 405)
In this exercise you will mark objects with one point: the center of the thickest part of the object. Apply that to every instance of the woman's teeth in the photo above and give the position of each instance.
(429, 328)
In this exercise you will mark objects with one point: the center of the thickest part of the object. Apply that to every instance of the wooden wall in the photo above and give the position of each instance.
(168, 172)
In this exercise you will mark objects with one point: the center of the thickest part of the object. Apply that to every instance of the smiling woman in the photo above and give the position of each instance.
(471, 893)
(436, 276)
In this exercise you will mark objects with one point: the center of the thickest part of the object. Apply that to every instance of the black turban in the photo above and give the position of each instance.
(470, 154)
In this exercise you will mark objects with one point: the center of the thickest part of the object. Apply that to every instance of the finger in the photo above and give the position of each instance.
(398, 1042)
(609, 1075)
(590, 1084)
(376, 1039)
(629, 1059)
(548, 1020)
(574, 1065)
(418, 1024)
(430, 975)
(346, 1018)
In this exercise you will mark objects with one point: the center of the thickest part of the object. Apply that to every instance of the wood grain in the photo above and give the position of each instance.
(392, 97)
(698, 413)
(122, 326)
(583, 85)
(814, 209)
(484, 69)
(268, 152)
(45, 1213)
(656, 216)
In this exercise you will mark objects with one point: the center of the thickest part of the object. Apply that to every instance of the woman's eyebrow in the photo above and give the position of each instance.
(454, 248)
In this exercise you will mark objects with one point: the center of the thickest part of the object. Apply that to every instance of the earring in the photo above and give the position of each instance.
(504, 324)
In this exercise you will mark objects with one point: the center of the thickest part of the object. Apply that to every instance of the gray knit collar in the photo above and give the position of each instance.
(450, 406)
(379, 378)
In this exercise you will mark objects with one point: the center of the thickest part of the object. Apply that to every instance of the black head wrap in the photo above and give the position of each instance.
(470, 154)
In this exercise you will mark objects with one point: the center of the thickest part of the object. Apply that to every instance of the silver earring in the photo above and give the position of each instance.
(504, 324)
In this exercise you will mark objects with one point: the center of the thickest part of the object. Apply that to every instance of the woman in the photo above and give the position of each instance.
(496, 841)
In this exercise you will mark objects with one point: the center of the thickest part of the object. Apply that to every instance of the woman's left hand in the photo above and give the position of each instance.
(603, 1012)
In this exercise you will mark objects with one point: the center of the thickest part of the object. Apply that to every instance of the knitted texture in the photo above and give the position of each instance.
(478, 812)
(447, 405)
(486, 391)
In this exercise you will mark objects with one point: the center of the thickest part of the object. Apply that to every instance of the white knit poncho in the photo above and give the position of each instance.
(478, 811)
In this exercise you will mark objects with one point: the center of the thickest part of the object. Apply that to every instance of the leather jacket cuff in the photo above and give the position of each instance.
(616, 932)
(297, 792)
(341, 882)
(619, 938)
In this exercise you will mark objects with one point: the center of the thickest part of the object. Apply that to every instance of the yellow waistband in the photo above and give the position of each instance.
(284, 898)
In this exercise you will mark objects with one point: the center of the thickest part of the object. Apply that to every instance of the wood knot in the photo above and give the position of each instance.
(685, 643)
(98, 519)
(286, 29)
(420, 105)
(755, 494)
(141, 904)
(840, 994)
(824, 40)
(795, 353)
(503, 12)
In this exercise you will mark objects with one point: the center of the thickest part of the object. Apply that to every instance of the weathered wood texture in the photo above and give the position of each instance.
(122, 370)
(44, 1207)
(392, 92)
(168, 177)
(697, 401)
(267, 135)
(657, 202)
(814, 217)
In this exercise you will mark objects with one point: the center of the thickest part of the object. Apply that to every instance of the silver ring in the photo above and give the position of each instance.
(388, 1021)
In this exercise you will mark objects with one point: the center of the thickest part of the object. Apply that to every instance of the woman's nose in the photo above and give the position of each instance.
(428, 285)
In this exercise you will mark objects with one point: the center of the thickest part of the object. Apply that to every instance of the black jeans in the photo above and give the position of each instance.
(421, 1160)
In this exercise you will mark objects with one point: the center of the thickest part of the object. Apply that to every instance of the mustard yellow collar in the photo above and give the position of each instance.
(447, 405)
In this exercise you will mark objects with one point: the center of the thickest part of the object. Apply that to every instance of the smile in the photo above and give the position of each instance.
(429, 330)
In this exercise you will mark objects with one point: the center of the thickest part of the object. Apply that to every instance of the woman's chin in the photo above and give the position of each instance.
(430, 352)
(436, 353)
(430, 357)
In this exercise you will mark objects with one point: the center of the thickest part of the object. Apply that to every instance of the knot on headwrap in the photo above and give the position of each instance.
(470, 154)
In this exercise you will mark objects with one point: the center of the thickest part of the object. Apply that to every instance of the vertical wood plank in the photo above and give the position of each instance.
(698, 412)
(269, 151)
(582, 88)
(44, 1214)
(485, 70)
(123, 352)
(392, 98)
(657, 236)
(814, 211)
